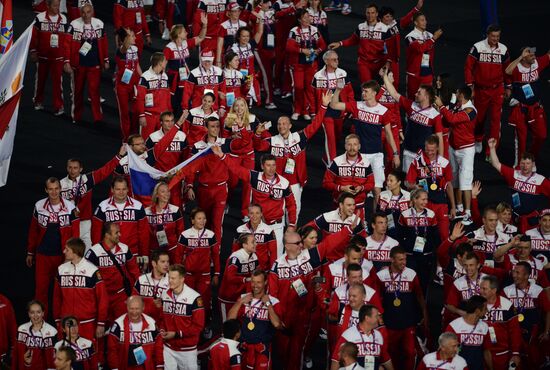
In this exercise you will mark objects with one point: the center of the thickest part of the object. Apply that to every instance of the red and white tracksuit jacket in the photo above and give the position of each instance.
(342, 172)
(41, 345)
(79, 190)
(79, 290)
(389, 102)
(266, 244)
(333, 123)
(124, 339)
(195, 124)
(174, 154)
(170, 220)
(462, 125)
(484, 71)
(86, 354)
(292, 148)
(112, 278)
(239, 267)
(151, 289)
(274, 195)
(87, 65)
(234, 83)
(176, 67)
(372, 51)
(134, 230)
(184, 314)
(130, 14)
(247, 61)
(302, 68)
(420, 60)
(49, 41)
(528, 112)
(225, 355)
(215, 11)
(200, 80)
(153, 98)
(285, 11)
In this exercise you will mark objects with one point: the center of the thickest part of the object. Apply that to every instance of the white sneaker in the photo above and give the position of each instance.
(59, 112)
(479, 146)
(331, 7)
(467, 220)
(270, 106)
(323, 334)
(295, 116)
(308, 362)
(277, 92)
(286, 95)
(38, 107)
(166, 34)
(307, 117)
(346, 9)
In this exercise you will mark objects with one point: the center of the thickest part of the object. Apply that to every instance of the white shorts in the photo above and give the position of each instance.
(376, 161)
(180, 360)
(85, 228)
(408, 158)
(279, 231)
(462, 163)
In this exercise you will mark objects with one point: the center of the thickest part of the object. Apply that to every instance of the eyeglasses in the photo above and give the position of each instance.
(296, 243)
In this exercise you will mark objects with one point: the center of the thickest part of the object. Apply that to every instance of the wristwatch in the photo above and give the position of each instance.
(267, 304)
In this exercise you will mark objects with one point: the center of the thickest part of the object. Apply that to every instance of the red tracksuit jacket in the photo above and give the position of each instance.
(225, 355)
(175, 152)
(215, 11)
(109, 272)
(156, 85)
(43, 30)
(200, 249)
(393, 44)
(79, 190)
(240, 266)
(295, 149)
(485, 66)
(122, 342)
(303, 38)
(79, 290)
(199, 80)
(462, 125)
(134, 228)
(78, 34)
(41, 345)
(130, 14)
(170, 220)
(183, 314)
(266, 244)
(371, 40)
(44, 217)
(274, 196)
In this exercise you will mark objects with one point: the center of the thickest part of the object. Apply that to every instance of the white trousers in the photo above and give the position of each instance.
(279, 230)
(85, 229)
(180, 360)
(297, 192)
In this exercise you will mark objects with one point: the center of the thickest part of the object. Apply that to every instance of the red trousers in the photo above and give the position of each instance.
(246, 161)
(43, 68)
(280, 61)
(92, 75)
(125, 96)
(488, 101)
(256, 356)
(201, 283)
(414, 82)
(117, 305)
(532, 118)
(333, 128)
(212, 200)
(190, 8)
(153, 124)
(302, 75)
(46, 271)
(317, 322)
(501, 361)
(402, 348)
(266, 62)
(139, 42)
(442, 216)
(369, 70)
(291, 343)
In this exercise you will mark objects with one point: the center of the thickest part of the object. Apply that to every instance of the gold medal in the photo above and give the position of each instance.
(397, 302)
(521, 317)
(433, 187)
(251, 326)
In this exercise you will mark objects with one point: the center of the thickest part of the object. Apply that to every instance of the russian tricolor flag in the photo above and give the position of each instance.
(144, 177)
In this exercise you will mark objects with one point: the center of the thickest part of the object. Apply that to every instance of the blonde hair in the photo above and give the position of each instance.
(231, 116)
(175, 31)
(155, 195)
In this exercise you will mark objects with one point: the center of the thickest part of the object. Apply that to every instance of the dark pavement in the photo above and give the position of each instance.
(44, 142)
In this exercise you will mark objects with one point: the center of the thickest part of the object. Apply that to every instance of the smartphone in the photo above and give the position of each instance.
(532, 50)
(267, 125)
